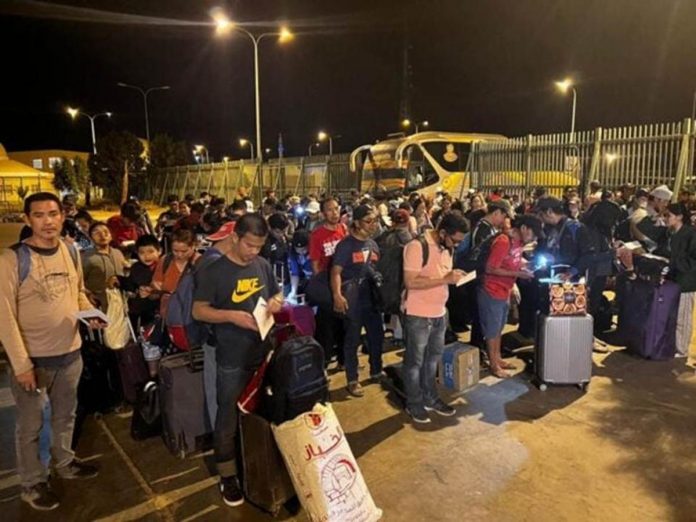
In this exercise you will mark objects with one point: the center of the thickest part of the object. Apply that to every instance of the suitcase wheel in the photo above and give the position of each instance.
(542, 386)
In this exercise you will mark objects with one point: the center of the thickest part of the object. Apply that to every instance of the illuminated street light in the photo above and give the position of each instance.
(267, 151)
(564, 86)
(198, 150)
(285, 35)
(406, 123)
(243, 142)
(223, 26)
(74, 113)
(323, 136)
(145, 92)
(312, 146)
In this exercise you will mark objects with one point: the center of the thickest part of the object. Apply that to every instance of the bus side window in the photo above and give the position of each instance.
(420, 172)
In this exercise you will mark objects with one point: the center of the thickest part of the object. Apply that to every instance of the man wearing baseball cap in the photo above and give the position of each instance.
(651, 229)
(487, 227)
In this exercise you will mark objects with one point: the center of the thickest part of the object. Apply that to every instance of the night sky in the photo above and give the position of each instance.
(485, 66)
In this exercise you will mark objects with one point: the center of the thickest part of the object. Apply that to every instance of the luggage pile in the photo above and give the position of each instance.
(648, 310)
(565, 338)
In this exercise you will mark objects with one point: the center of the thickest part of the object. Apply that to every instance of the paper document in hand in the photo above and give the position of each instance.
(470, 276)
(264, 320)
(87, 315)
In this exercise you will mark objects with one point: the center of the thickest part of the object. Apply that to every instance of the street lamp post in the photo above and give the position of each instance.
(224, 25)
(311, 146)
(74, 113)
(145, 92)
(243, 143)
(406, 123)
(563, 86)
(199, 150)
(323, 136)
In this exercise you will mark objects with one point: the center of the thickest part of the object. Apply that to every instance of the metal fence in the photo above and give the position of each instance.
(303, 175)
(645, 155)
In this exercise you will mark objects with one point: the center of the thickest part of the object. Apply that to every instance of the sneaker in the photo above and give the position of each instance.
(77, 470)
(680, 355)
(40, 497)
(441, 408)
(376, 378)
(231, 493)
(418, 416)
(355, 389)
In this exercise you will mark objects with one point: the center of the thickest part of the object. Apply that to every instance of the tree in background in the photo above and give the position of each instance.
(71, 175)
(118, 162)
(165, 152)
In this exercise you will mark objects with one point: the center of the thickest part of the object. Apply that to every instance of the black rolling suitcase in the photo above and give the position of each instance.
(265, 479)
(132, 370)
(186, 427)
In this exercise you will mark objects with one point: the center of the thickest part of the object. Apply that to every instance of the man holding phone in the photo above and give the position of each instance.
(41, 290)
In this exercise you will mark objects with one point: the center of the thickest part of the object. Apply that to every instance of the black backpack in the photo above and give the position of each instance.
(391, 266)
(478, 255)
(295, 379)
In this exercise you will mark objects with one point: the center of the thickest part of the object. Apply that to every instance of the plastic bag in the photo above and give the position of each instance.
(323, 469)
(119, 332)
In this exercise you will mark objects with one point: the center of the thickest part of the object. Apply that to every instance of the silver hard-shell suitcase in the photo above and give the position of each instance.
(564, 350)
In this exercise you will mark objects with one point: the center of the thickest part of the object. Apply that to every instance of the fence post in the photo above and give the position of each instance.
(327, 176)
(259, 167)
(682, 165)
(528, 165)
(596, 161)
(299, 177)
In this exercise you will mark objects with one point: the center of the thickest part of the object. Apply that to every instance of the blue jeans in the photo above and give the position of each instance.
(425, 342)
(373, 323)
(209, 378)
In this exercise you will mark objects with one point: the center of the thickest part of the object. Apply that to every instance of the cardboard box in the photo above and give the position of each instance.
(459, 367)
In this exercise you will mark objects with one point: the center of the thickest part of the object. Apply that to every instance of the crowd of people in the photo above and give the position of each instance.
(355, 245)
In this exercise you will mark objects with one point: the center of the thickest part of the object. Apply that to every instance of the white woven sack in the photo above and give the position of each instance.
(119, 332)
(323, 470)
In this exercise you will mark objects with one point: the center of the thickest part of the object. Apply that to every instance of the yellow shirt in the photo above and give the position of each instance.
(37, 317)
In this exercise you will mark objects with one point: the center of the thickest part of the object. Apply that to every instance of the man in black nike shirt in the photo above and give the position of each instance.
(225, 297)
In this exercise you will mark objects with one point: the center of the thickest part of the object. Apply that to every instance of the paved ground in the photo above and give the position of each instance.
(623, 451)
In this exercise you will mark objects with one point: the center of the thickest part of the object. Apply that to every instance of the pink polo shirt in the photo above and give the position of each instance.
(429, 302)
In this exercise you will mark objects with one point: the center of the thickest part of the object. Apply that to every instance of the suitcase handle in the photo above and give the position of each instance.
(195, 360)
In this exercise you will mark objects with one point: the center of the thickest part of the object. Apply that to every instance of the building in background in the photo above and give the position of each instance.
(17, 180)
(44, 160)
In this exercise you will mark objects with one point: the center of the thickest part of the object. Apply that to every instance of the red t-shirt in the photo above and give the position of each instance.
(322, 244)
(121, 232)
(507, 255)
